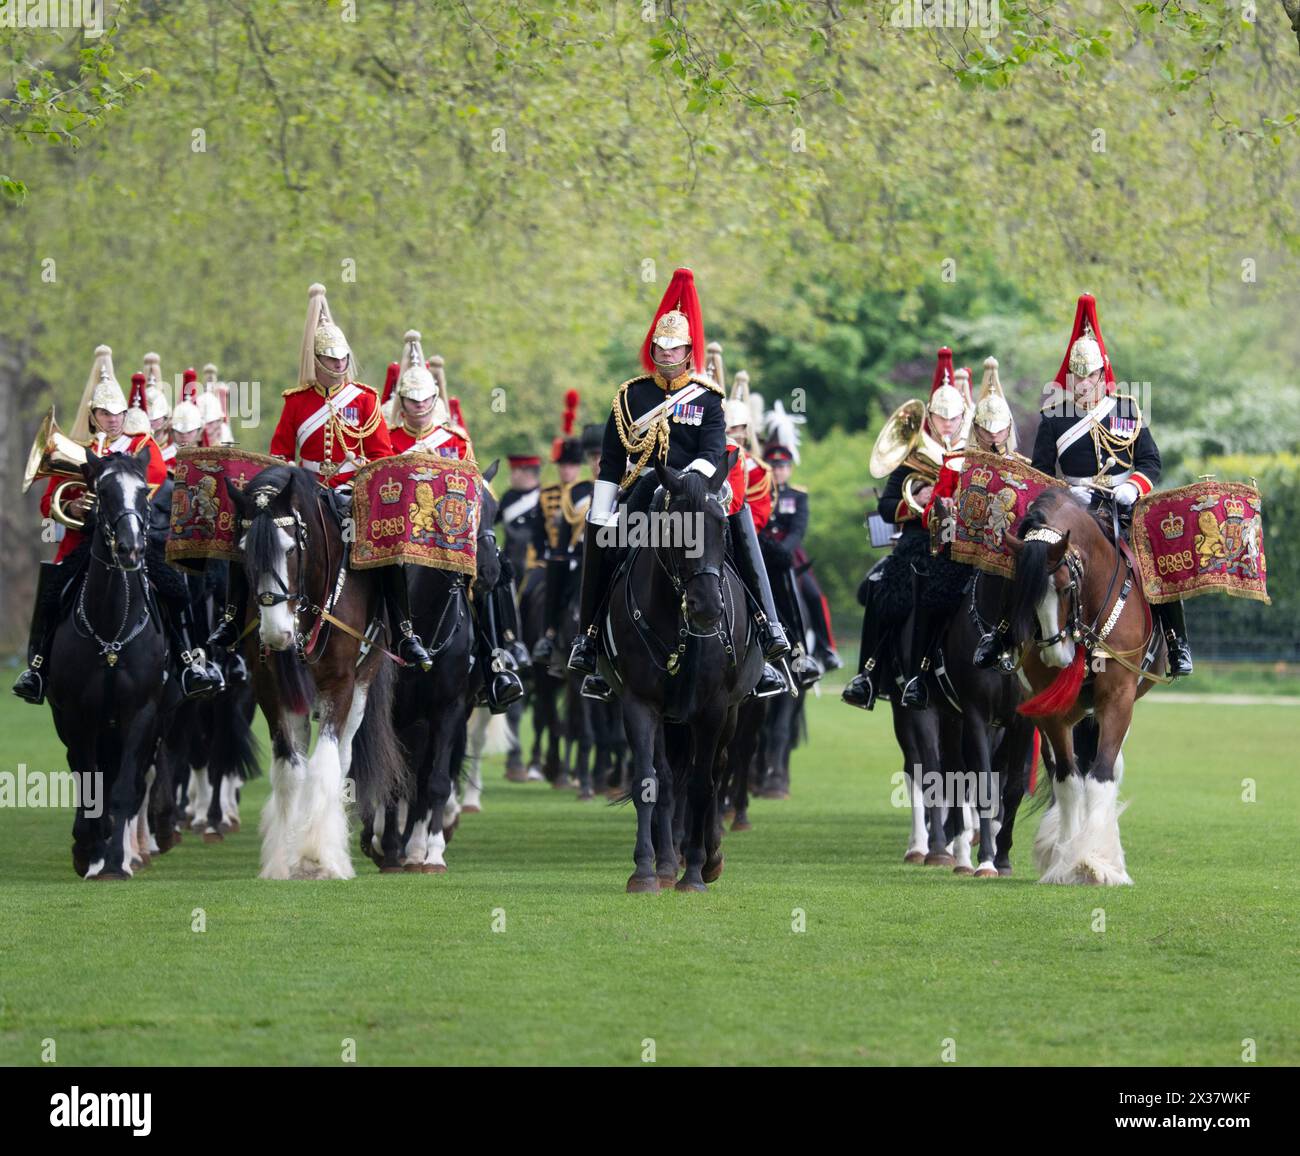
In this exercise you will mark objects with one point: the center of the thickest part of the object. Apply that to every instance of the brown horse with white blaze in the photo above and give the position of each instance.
(1078, 593)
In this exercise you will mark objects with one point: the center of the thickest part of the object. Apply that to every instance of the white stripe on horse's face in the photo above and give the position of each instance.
(1059, 654)
(276, 622)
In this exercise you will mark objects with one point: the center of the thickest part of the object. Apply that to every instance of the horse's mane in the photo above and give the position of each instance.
(1032, 573)
(296, 488)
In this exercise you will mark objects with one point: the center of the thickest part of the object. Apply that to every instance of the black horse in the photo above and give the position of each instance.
(431, 709)
(108, 668)
(684, 654)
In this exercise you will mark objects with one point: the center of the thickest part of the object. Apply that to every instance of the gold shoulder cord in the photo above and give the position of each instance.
(653, 442)
(336, 427)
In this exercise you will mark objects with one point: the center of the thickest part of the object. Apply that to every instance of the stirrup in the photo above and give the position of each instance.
(30, 685)
(582, 657)
(916, 695)
(860, 691)
(771, 682)
(593, 686)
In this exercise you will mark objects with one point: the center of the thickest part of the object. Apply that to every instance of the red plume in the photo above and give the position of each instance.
(137, 400)
(942, 371)
(1060, 696)
(453, 407)
(189, 385)
(680, 294)
(570, 411)
(1086, 311)
(390, 381)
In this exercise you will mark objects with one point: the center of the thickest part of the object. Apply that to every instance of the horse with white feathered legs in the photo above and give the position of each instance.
(1076, 590)
(313, 615)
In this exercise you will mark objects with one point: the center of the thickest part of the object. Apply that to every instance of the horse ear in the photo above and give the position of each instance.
(90, 467)
(143, 457)
(669, 478)
(719, 476)
(1014, 544)
(236, 496)
(491, 471)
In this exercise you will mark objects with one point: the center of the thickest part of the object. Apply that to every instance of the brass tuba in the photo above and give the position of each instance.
(904, 441)
(55, 455)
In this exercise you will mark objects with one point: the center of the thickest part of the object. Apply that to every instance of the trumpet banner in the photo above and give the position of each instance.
(992, 496)
(204, 522)
(417, 508)
(1201, 539)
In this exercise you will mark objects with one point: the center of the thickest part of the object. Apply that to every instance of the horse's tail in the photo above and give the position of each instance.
(234, 749)
(378, 760)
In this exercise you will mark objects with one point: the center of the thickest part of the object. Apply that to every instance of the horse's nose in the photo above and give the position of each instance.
(702, 610)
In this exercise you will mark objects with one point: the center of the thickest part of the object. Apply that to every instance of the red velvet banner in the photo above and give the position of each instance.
(417, 508)
(1208, 537)
(993, 494)
(203, 517)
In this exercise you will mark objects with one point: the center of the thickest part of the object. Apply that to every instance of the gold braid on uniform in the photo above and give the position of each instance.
(576, 516)
(337, 427)
(1108, 444)
(654, 441)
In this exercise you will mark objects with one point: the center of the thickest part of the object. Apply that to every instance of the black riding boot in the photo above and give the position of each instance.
(557, 577)
(865, 685)
(30, 685)
(199, 677)
(597, 567)
(803, 665)
(916, 694)
(507, 599)
(1174, 625)
(409, 647)
(501, 683)
(749, 563)
(231, 623)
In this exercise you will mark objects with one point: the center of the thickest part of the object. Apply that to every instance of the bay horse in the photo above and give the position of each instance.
(1077, 590)
(432, 709)
(295, 556)
(108, 662)
(684, 654)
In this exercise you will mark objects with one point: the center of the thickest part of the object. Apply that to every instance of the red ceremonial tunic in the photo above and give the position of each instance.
(155, 474)
(751, 485)
(946, 486)
(437, 439)
(330, 435)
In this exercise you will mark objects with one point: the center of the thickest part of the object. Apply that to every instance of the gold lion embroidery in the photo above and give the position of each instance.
(1209, 542)
(421, 510)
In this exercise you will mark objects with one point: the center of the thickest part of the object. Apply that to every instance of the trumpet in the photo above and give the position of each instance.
(55, 455)
(903, 441)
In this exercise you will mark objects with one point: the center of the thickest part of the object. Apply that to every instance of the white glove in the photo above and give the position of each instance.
(1083, 493)
(1126, 494)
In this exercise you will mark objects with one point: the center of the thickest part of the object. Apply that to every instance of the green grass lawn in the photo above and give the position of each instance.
(1199, 955)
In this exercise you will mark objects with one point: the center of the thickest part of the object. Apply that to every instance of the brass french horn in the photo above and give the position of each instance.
(55, 455)
(903, 441)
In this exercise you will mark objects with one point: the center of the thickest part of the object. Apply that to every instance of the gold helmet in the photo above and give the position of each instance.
(321, 337)
(414, 380)
(102, 392)
(992, 413)
(946, 400)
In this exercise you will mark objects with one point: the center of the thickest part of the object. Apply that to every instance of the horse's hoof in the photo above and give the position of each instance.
(683, 885)
(412, 868)
(471, 809)
(433, 868)
(939, 859)
(713, 872)
(741, 825)
(230, 827)
(177, 838)
(142, 861)
(212, 836)
(667, 883)
(986, 871)
(962, 869)
(1004, 872)
(516, 776)
(914, 857)
(643, 885)
(729, 815)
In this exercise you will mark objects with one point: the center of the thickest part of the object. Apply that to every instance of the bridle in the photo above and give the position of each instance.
(1073, 563)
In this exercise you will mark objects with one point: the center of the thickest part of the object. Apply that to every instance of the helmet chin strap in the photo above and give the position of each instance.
(328, 376)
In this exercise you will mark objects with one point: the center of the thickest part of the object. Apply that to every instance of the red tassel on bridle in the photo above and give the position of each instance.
(1062, 693)
(681, 295)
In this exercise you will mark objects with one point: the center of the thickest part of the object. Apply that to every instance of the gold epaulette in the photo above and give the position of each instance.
(709, 383)
(295, 389)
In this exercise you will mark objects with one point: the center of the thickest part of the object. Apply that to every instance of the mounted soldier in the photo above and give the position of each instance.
(911, 450)
(520, 512)
(671, 414)
(330, 425)
(105, 424)
(1097, 441)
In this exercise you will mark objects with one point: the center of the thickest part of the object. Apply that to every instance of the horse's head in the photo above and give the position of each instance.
(122, 501)
(273, 509)
(1046, 591)
(485, 548)
(692, 537)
